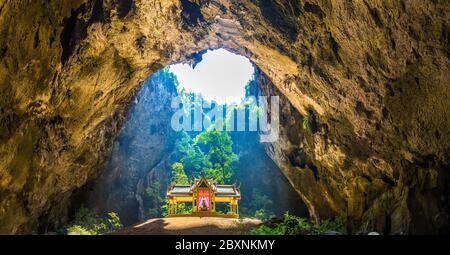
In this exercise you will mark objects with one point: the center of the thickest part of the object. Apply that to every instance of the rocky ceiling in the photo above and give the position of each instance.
(374, 75)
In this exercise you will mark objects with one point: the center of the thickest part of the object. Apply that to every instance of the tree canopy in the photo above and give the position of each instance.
(209, 153)
(218, 147)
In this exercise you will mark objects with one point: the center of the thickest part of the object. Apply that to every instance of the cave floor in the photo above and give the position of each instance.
(192, 226)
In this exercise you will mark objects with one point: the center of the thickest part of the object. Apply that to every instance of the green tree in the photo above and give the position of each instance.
(178, 174)
(261, 204)
(219, 150)
(178, 177)
(194, 161)
(154, 199)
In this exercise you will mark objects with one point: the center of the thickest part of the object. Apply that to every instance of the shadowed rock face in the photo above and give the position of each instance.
(139, 154)
(372, 78)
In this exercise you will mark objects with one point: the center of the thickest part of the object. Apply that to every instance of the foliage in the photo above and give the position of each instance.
(265, 230)
(293, 225)
(113, 221)
(219, 149)
(194, 161)
(87, 222)
(178, 174)
(165, 208)
(260, 200)
(80, 230)
(258, 205)
(182, 208)
(85, 217)
(262, 214)
(209, 153)
(154, 198)
(305, 123)
(330, 225)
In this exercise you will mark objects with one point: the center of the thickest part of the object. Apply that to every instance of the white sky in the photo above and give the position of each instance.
(219, 75)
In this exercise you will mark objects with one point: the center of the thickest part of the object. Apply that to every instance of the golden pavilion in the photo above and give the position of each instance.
(204, 194)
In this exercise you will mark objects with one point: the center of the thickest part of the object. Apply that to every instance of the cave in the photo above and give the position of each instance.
(364, 123)
(147, 145)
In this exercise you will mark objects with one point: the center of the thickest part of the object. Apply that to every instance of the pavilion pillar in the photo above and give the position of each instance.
(234, 206)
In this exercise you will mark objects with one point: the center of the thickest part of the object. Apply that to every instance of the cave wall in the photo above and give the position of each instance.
(372, 76)
(145, 142)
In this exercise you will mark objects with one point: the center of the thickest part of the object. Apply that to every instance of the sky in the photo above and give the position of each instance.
(219, 75)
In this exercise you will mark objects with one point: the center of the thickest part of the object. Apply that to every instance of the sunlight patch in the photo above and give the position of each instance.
(221, 76)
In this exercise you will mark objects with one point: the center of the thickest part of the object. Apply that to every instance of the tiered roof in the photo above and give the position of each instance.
(218, 189)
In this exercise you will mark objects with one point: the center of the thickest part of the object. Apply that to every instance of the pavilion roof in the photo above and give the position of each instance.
(181, 189)
(218, 189)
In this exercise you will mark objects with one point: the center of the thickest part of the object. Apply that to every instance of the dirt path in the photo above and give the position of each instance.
(191, 226)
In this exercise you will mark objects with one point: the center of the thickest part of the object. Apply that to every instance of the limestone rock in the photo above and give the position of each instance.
(372, 75)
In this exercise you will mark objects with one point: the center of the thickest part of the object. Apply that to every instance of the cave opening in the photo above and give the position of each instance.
(150, 153)
(365, 139)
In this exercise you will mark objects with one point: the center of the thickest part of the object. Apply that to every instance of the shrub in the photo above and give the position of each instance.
(79, 230)
(263, 215)
(87, 222)
(329, 225)
(182, 208)
(294, 225)
(265, 230)
(154, 200)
